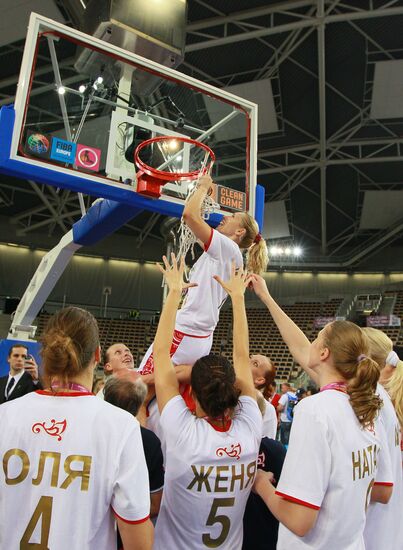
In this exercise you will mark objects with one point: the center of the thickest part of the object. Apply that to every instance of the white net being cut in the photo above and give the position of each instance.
(186, 237)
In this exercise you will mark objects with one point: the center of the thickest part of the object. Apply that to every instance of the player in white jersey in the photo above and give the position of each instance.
(198, 317)
(211, 455)
(384, 526)
(338, 459)
(72, 463)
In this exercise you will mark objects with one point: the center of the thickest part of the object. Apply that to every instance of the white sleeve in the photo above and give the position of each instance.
(249, 412)
(175, 420)
(306, 470)
(283, 400)
(269, 428)
(131, 491)
(220, 247)
(384, 473)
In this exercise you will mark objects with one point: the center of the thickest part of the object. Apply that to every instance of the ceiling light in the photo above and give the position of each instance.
(173, 145)
(82, 88)
(61, 90)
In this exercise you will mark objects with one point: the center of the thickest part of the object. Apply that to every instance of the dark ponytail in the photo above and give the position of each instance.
(213, 383)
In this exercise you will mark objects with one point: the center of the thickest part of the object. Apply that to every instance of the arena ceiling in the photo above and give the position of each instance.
(336, 158)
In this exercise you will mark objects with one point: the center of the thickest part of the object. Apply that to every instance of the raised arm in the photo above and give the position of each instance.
(235, 287)
(192, 210)
(297, 342)
(166, 383)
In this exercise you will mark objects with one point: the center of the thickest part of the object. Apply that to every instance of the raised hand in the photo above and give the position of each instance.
(31, 367)
(236, 284)
(205, 182)
(173, 274)
(259, 285)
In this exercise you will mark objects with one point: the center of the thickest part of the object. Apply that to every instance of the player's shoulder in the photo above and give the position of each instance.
(223, 239)
(23, 402)
(314, 404)
(115, 413)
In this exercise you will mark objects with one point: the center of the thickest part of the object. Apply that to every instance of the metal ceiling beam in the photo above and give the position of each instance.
(375, 246)
(6, 82)
(36, 210)
(43, 223)
(333, 162)
(322, 121)
(242, 37)
(305, 23)
(152, 220)
(313, 147)
(45, 200)
(45, 88)
(248, 14)
(305, 232)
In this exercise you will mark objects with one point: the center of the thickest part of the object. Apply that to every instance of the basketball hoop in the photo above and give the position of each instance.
(150, 180)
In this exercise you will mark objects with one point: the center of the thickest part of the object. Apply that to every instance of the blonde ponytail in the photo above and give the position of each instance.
(257, 256)
(361, 389)
(349, 349)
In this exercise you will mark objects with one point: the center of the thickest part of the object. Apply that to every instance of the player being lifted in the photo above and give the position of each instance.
(198, 317)
(211, 455)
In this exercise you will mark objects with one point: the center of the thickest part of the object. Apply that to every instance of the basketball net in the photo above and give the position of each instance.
(186, 237)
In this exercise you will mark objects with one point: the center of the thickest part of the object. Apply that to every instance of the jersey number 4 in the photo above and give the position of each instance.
(43, 512)
(213, 518)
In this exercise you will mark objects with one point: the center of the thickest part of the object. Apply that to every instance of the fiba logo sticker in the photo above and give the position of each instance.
(88, 157)
(37, 144)
(63, 150)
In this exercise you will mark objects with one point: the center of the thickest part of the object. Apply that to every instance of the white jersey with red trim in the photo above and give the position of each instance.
(208, 477)
(269, 427)
(384, 526)
(69, 461)
(331, 466)
(200, 311)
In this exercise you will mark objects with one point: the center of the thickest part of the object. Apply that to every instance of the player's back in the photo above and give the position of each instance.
(63, 459)
(331, 465)
(384, 527)
(208, 477)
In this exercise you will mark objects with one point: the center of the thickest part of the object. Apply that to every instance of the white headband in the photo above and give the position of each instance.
(392, 359)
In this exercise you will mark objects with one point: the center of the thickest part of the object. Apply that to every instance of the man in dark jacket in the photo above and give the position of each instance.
(23, 376)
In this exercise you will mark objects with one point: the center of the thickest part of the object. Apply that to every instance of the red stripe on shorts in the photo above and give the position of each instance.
(177, 339)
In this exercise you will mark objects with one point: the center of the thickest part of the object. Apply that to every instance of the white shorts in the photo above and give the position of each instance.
(185, 350)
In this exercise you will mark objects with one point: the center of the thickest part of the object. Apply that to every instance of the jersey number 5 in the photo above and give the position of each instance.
(44, 511)
(213, 518)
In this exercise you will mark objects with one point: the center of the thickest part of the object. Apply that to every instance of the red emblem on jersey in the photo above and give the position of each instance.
(55, 429)
(261, 460)
(233, 452)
